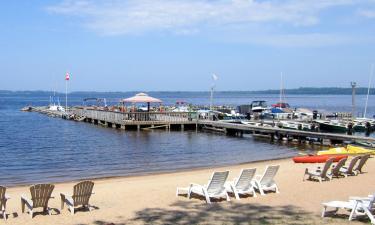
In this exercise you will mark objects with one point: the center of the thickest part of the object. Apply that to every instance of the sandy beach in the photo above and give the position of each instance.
(151, 199)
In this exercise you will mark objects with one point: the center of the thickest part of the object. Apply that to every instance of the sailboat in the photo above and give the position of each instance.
(364, 123)
(54, 103)
(281, 104)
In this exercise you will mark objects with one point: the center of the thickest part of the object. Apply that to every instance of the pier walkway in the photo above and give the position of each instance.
(190, 120)
(275, 132)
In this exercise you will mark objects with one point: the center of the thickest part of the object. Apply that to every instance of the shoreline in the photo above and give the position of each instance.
(151, 199)
(161, 172)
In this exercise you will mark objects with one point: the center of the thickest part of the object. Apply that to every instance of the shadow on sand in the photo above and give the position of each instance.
(185, 212)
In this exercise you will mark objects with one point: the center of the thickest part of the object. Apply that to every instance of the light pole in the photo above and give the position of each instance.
(353, 84)
(214, 78)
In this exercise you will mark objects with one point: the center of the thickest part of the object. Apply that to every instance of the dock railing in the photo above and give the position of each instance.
(137, 117)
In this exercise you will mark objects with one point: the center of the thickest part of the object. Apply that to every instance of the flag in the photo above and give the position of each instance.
(67, 76)
(215, 77)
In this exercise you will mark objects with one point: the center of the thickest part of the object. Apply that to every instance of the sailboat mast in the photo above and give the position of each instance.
(368, 90)
(281, 88)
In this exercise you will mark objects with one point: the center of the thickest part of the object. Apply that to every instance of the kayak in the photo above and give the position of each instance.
(349, 150)
(317, 158)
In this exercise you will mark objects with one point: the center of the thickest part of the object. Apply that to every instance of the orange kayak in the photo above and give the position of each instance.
(317, 158)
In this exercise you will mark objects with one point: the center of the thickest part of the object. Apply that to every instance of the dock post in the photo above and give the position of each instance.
(182, 127)
(138, 127)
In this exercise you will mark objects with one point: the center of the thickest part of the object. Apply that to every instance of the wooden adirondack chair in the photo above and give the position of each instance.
(318, 173)
(336, 170)
(40, 195)
(361, 163)
(349, 171)
(81, 196)
(3, 201)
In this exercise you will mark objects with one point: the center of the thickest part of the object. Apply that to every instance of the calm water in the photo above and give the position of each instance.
(35, 148)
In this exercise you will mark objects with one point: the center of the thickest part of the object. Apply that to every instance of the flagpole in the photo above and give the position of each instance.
(66, 95)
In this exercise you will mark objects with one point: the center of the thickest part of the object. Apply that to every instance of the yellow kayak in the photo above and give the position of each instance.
(349, 150)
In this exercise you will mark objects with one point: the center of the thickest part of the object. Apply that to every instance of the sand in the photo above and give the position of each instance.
(151, 200)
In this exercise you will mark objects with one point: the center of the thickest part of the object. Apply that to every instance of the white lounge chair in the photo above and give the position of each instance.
(244, 184)
(40, 195)
(318, 173)
(266, 181)
(3, 201)
(349, 171)
(357, 206)
(81, 196)
(214, 189)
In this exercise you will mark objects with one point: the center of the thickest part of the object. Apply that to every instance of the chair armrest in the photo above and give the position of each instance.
(65, 195)
(194, 184)
(360, 198)
(26, 199)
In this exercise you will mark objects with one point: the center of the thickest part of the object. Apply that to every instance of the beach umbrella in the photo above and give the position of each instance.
(142, 98)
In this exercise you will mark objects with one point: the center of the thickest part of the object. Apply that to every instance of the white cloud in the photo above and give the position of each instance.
(192, 17)
(139, 16)
(367, 13)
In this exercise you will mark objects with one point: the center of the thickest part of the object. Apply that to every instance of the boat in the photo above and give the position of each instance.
(317, 158)
(365, 144)
(332, 126)
(281, 105)
(27, 108)
(54, 104)
(363, 124)
(293, 125)
(181, 106)
(349, 150)
(259, 106)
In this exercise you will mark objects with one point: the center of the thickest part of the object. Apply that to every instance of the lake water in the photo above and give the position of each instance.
(35, 148)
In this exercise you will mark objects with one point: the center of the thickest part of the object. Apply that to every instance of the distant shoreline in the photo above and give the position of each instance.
(295, 91)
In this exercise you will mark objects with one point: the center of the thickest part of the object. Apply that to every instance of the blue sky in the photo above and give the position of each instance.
(113, 45)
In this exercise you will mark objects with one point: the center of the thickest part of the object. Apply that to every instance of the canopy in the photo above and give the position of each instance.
(142, 98)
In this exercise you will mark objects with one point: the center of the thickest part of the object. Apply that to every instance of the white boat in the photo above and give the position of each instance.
(293, 125)
(259, 106)
(53, 106)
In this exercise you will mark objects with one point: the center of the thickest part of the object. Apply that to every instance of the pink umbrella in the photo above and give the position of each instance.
(142, 98)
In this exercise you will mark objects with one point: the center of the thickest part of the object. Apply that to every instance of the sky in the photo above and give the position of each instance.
(176, 45)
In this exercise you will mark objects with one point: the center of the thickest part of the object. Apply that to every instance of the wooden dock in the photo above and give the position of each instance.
(190, 120)
(279, 133)
(138, 120)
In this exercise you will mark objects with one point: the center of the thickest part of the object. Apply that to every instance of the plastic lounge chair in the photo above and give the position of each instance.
(214, 189)
(318, 173)
(357, 206)
(349, 171)
(3, 201)
(361, 163)
(266, 181)
(40, 195)
(243, 184)
(336, 170)
(81, 196)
